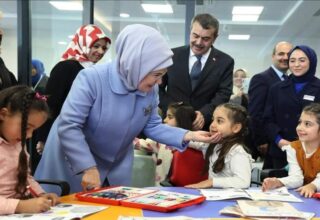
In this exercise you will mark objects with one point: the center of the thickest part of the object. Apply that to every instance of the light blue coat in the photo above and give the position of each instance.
(96, 127)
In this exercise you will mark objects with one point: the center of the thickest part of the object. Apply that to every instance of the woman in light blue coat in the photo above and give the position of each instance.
(107, 107)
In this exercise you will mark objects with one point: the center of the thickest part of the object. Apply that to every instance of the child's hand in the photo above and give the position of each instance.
(271, 183)
(35, 205)
(283, 142)
(201, 185)
(307, 190)
(52, 197)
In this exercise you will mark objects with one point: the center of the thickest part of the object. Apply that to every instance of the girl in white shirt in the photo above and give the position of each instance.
(303, 156)
(228, 162)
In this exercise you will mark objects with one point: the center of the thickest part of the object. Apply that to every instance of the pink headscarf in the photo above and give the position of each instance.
(82, 41)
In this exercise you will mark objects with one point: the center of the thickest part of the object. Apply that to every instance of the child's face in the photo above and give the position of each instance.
(222, 124)
(238, 78)
(170, 119)
(299, 63)
(11, 124)
(308, 128)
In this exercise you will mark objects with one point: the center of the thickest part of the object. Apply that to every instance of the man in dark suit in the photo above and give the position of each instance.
(206, 88)
(258, 92)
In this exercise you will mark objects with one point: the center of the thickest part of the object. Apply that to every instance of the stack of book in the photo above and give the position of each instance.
(265, 210)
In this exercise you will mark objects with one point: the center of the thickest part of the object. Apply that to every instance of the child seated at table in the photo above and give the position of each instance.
(21, 112)
(303, 156)
(179, 114)
(228, 161)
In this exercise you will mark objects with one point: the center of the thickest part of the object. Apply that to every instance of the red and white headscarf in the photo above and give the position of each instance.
(82, 42)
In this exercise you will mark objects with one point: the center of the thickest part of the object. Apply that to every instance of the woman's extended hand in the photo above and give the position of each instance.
(91, 179)
(202, 136)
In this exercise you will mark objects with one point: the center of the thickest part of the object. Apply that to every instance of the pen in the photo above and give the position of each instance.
(32, 192)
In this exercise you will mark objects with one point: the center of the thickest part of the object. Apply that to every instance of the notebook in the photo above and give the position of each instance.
(156, 200)
(280, 194)
(61, 211)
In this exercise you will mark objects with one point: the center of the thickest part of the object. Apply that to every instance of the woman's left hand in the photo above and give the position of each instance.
(202, 136)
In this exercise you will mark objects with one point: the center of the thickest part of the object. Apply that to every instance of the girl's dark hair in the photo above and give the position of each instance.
(184, 114)
(237, 114)
(22, 99)
(313, 108)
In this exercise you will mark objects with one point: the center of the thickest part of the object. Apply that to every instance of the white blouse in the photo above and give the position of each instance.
(295, 176)
(237, 169)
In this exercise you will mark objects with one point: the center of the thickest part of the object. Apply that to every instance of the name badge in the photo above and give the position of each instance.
(308, 97)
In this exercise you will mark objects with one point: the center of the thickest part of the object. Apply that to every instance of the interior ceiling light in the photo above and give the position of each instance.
(245, 17)
(124, 15)
(247, 10)
(157, 8)
(239, 37)
(67, 5)
(246, 13)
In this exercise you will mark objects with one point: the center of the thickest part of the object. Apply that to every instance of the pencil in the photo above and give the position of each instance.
(32, 192)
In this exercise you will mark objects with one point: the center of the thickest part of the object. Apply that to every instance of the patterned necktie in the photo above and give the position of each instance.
(195, 71)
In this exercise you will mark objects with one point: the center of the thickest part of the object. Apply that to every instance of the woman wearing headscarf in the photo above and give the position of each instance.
(87, 47)
(286, 100)
(38, 78)
(107, 107)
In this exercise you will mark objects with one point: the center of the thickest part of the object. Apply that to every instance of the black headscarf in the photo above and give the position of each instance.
(310, 74)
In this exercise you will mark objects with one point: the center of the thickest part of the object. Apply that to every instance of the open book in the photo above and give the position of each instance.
(280, 194)
(265, 210)
(156, 200)
(63, 211)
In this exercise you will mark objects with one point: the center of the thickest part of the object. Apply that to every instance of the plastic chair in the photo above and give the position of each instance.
(63, 185)
(187, 167)
(144, 169)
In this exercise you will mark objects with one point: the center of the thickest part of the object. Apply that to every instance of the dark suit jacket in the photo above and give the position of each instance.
(58, 86)
(283, 110)
(214, 86)
(7, 78)
(258, 93)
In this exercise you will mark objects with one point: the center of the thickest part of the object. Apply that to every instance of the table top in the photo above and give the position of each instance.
(210, 209)
(111, 213)
(207, 209)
